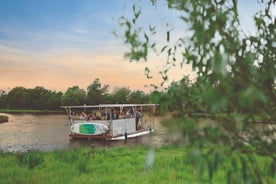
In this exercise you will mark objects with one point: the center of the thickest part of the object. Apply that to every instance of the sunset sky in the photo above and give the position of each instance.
(62, 43)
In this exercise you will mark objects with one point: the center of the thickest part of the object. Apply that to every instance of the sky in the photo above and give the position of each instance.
(58, 44)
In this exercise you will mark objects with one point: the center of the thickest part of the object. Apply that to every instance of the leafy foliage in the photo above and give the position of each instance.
(121, 95)
(235, 85)
(138, 97)
(74, 95)
(18, 97)
(96, 93)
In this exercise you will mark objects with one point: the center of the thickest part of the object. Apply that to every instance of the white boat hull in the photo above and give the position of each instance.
(132, 135)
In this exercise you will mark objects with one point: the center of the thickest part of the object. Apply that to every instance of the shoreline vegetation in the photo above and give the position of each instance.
(142, 164)
(4, 118)
(31, 111)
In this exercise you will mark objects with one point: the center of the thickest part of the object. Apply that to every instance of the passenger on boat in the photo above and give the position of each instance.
(91, 116)
(128, 114)
(74, 115)
(138, 115)
(107, 113)
(98, 115)
(115, 115)
(83, 116)
(122, 114)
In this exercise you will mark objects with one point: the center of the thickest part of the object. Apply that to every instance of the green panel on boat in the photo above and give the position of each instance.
(87, 129)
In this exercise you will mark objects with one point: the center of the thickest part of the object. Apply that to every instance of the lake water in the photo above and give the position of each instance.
(50, 132)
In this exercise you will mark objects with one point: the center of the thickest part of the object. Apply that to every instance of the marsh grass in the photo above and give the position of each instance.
(110, 165)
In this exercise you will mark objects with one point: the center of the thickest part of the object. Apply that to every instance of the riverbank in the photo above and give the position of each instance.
(31, 111)
(114, 165)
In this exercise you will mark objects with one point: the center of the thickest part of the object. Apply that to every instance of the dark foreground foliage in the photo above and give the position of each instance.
(235, 85)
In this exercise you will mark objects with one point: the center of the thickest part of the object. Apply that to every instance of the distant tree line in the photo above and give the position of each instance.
(185, 96)
(43, 99)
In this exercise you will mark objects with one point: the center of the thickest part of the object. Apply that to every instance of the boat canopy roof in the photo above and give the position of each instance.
(109, 105)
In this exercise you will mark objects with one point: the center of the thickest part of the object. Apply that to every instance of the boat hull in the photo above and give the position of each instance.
(132, 135)
(106, 136)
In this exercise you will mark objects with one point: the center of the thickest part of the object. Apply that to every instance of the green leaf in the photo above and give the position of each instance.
(164, 48)
(168, 36)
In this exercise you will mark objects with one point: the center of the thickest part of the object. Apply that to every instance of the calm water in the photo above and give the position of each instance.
(50, 132)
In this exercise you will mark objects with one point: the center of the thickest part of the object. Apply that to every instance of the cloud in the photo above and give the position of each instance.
(7, 49)
(68, 45)
(67, 68)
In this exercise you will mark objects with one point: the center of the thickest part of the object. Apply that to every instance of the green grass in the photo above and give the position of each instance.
(109, 165)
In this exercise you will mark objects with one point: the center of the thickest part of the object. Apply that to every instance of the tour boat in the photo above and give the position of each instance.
(110, 121)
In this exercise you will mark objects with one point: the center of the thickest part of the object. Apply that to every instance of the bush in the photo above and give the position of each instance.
(4, 118)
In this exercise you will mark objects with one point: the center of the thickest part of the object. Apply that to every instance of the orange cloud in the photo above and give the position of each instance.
(63, 69)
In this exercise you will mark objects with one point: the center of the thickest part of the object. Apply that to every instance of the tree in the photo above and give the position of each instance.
(18, 98)
(240, 77)
(39, 97)
(121, 95)
(74, 96)
(3, 100)
(97, 93)
(54, 101)
(138, 97)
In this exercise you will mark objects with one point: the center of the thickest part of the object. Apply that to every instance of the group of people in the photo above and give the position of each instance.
(125, 113)
(108, 113)
(91, 116)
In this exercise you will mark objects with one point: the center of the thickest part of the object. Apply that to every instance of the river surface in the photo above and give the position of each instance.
(26, 132)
